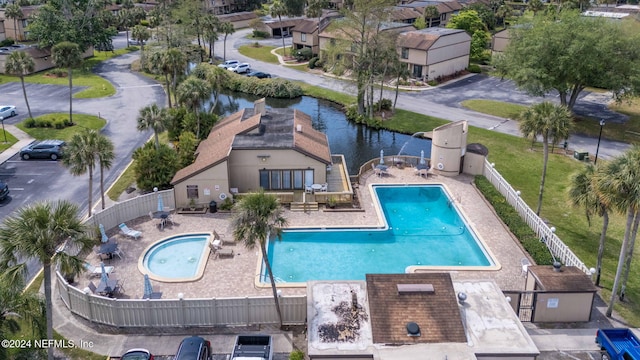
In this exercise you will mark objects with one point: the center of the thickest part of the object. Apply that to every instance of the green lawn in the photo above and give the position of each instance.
(627, 132)
(96, 86)
(4, 145)
(82, 121)
(496, 108)
(262, 53)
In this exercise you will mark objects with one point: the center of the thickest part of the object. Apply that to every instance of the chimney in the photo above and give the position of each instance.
(299, 128)
(259, 107)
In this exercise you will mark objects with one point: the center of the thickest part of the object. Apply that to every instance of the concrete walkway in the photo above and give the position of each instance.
(24, 139)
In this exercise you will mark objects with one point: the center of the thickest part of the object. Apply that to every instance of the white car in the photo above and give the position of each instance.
(7, 111)
(229, 63)
(241, 68)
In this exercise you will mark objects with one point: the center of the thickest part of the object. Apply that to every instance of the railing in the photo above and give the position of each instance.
(404, 160)
(559, 249)
(241, 311)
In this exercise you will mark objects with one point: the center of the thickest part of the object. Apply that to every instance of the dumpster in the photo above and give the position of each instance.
(580, 155)
(213, 207)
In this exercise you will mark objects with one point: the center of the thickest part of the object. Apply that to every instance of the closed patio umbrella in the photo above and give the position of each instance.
(160, 203)
(104, 278)
(381, 157)
(148, 289)
(422, 157)
(105, 238)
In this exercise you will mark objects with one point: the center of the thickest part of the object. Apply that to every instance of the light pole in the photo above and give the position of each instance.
(4, 132)
(595, 162)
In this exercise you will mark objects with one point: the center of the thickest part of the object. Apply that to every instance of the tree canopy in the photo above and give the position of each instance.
(83, 22)
(566, 52)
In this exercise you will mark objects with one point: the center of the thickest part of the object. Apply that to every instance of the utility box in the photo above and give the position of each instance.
(581, 155)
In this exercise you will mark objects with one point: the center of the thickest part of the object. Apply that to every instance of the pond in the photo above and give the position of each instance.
(356, 142)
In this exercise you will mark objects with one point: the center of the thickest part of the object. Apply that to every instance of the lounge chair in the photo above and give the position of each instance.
(324, 187)
(216, 246)
(92, 287)
(96, 271)
(308, 189)
(130, 232)
(117, 252)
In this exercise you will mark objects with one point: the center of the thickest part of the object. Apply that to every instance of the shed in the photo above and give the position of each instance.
(565, 294)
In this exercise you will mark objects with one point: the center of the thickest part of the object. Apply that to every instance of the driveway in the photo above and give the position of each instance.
(445, 101)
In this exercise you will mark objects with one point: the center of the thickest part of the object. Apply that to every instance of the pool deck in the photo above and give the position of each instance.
(235, 276)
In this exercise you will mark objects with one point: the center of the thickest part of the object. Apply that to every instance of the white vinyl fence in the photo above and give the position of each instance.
(555, 245)
(241, 311)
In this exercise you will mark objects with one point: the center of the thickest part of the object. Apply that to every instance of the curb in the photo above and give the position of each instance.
(24, 139)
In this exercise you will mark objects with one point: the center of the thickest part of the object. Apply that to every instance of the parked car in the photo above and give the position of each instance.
(229, 63)
(194, 348)
(134, 42)
(46, 149)
(241, 68)
(4, 190)
(259, 74)
(7, 110)
(137, 354)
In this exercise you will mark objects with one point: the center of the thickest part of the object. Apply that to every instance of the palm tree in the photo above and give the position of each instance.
(431, 12)
(226, 28)
(16, 306)
(19, 64)
(216, 77)
(191, 93)
(551, 122)
(176, 63)
(583, 191)
(258, 217)
(211, 24)
(277, 9)
(160, 65)
(142, 34)
(153, 117)
(39, 231)
(67, 55)
(620, 189)
(125, 21)
(81, 157)
(14, 11)
(104, 151)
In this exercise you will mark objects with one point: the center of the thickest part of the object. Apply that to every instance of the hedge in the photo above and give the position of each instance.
(275, 88)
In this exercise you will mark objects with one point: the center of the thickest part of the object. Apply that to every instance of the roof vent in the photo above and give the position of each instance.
(299, 128)
(413, 329)
(462, 297)
(259, 107)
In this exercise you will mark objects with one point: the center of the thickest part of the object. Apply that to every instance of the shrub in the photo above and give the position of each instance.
(474, 68)
(260, 34)
(57, 72)
(30, 123)
(383, 104)
(144, 22)
(304, 54)
(227, 204)
(7, 42)
(527, 237)
(296, 355)
(312, 62)
(256, 44)
(276, 88)
(432, 83)
(320, 63)
(43, 123)
(154, 167)
(59, 124)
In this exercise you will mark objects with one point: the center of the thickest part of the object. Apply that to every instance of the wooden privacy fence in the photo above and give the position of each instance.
(544, 232)
(240, 311)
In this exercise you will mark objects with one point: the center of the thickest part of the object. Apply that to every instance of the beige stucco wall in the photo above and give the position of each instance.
(41, 63)
(571, 307)
(444, 50)
(500, 40)
(448, 145)
(473, 164)
(244, 166)
(415, 56)
(215, 180)
(447, 67)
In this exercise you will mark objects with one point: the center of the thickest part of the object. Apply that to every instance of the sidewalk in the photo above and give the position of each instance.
(23, 140)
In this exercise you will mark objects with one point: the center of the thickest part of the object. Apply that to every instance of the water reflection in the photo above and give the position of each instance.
(358, 143)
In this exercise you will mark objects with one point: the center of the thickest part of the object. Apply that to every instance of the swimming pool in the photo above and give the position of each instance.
(423, 228)
(177, 258)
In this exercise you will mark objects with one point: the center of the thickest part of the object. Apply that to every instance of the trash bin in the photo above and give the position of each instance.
(213, 207)
(580, 155)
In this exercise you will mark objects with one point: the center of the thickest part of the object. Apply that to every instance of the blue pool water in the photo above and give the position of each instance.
(177, 257)
(424, 228)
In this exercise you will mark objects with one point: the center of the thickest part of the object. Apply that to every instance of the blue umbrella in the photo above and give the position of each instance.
(103, 276)
(105, 238)
(160, 203)
(148, 289)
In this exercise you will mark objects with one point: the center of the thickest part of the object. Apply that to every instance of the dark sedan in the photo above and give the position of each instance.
(259, 74)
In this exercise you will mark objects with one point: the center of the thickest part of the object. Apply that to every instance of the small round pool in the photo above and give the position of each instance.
(177, 258)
